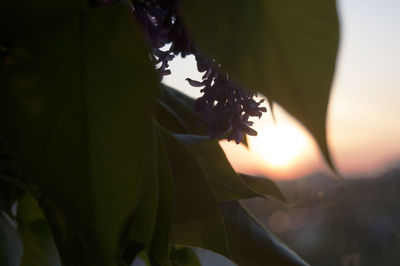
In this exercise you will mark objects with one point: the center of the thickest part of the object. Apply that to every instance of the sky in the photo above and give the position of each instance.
(363, 116)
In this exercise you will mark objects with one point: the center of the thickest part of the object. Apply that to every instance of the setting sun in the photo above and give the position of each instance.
(278, 144)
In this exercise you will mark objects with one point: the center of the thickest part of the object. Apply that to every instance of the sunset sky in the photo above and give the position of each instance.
(363, 117)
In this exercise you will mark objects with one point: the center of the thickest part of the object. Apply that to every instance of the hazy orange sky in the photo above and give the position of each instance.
(363, 118)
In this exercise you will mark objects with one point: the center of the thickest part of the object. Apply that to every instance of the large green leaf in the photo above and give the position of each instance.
(250, 243)
(263, 186)
(145, 216)
(197, 220)
(76, 99)
(10, 243)
(226, 183)
(176, 112)
(73, 247)
(283, 49)
(39, 247)
(157, 202)
(159, 248)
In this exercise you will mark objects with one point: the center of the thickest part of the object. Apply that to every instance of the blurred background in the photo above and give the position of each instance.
(355, 220)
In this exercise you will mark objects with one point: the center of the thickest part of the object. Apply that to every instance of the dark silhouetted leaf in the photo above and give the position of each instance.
(263, 186)
(283, 49)
(176, 112)
(250, 243)
(76, 103)
(159, 249)
(226, 182)
(39, 246)
(144, 217)
(73, 246)
(197, 219)
(167, 117)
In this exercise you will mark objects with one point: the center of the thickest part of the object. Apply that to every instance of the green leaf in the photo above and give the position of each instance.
(176, 112)
(252, 244)
(66, 235)
(283, 49)
(159, 249)
(10, 243)
(76, 104)
(39, 246)
(74, 247)
(241, 228)
(145, 216)
(197, 220)
(184, 256)
(263, 186)
(226, 183)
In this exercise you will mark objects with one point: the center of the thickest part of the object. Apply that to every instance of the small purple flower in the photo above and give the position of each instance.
(224, 106)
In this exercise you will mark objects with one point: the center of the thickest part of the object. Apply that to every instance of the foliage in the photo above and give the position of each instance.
(112, 163)
(283, 49)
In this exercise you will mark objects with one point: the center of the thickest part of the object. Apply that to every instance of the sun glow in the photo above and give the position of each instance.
(278, 144)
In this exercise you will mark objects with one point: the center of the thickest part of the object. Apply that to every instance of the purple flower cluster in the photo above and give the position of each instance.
(224, 106)
(163, 27)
